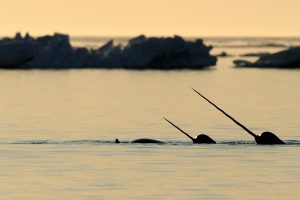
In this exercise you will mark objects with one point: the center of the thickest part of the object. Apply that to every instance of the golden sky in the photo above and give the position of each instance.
(151, 17)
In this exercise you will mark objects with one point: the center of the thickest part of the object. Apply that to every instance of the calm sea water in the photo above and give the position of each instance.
(57, 130)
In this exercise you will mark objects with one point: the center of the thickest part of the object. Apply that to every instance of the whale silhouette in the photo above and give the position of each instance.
(264, 138)
(143, 141)
(200, 139)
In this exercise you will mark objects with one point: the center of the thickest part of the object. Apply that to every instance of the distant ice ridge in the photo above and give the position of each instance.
(56, 52)
(286, 59)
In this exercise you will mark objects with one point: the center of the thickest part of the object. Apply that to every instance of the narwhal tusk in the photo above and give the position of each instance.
(234, 120)
(180, 129)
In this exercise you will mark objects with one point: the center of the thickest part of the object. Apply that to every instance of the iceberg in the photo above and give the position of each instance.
(56, 52)
(286, 59)
(14, 52)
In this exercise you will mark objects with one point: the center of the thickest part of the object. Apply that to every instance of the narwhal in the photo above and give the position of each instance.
(264, 138)
(143, 141)
(200, 139)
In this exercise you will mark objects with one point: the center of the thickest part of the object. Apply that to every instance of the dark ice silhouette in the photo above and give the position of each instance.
(56, 52)
(224, 54)
(258, 54)
(286, 59)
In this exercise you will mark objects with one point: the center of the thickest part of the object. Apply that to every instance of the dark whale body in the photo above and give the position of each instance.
(143, 141)
(203, 139)
(264, 138)
(200, 139)
(147, 140)
(268, 138)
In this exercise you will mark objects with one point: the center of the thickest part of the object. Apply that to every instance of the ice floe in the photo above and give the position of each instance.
(289, 58)
(56, 52)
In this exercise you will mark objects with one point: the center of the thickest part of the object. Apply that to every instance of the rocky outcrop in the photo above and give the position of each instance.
(15, 52)
(289, 58)
(56, 52)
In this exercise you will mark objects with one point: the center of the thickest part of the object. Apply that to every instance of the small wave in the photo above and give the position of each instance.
(71, 142)
(88, 142)
(292, 142)
(33, 142)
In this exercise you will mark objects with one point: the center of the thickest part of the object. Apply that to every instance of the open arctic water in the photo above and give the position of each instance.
(57, 131)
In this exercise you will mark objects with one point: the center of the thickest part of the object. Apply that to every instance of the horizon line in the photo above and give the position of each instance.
(155, 35)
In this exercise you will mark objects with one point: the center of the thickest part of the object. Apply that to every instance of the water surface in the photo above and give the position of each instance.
(57, 130)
